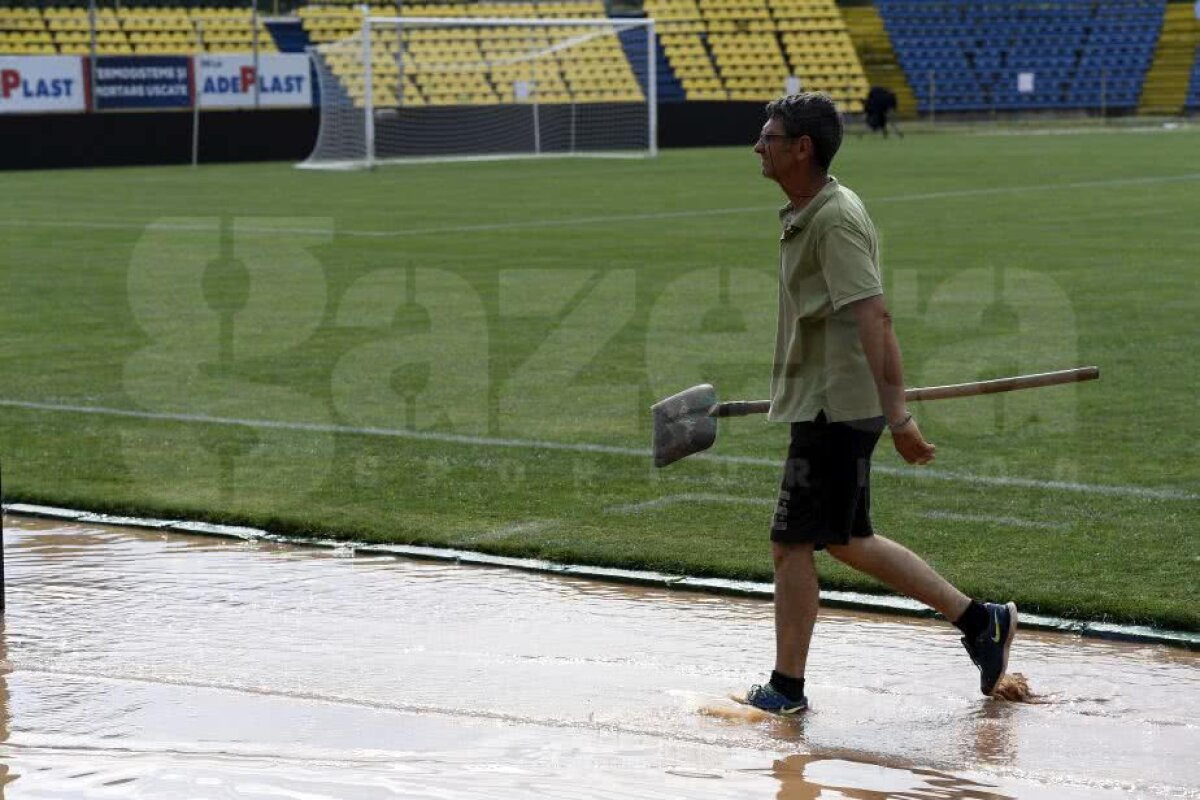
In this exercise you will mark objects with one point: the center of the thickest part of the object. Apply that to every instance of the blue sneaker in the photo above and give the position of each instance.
(768, 698)
(989, 650)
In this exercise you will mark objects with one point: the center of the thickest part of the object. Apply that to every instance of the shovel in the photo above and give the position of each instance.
(686, 423)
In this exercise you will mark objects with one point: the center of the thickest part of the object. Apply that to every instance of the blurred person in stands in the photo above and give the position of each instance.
(878, 104)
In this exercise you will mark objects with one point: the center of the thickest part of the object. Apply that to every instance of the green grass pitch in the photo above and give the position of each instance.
(465, 354)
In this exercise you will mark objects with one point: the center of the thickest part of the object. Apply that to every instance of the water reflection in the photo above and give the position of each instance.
(995, 741)
(808, 777)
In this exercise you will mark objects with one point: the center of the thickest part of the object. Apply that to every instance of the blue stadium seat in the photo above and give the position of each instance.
(975, 51)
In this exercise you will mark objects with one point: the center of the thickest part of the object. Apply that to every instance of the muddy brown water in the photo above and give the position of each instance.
(140, 664)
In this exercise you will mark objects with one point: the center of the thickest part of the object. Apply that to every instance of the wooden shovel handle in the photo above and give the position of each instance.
(742, 408)
(1003, 384)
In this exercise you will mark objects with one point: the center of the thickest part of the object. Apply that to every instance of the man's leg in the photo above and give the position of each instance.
(797, 596)
(904, 571)
(988, 629)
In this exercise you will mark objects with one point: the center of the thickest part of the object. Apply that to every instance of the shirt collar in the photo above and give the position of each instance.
(793, 221)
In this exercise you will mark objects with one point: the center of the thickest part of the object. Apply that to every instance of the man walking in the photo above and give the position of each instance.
(838, 380)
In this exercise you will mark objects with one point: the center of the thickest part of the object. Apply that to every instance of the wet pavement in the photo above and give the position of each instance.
(144, 664)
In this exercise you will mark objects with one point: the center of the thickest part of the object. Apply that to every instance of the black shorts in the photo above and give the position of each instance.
(825, 497)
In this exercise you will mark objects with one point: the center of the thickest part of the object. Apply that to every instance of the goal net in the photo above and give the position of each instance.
(406, 89)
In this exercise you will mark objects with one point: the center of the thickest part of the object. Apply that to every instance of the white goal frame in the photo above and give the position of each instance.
(371, 158)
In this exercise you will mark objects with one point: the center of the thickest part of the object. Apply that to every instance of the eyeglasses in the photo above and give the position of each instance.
(763, 137)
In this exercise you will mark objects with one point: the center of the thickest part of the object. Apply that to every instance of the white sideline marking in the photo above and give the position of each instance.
(1112, 490)
(999, 190)
(320, 427)
(934, 474)
(1134, 129)
(675, 499)
(1014, 522)
(584, 447)
(594, 220)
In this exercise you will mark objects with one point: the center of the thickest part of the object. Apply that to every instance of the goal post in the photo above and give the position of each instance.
(411, 89)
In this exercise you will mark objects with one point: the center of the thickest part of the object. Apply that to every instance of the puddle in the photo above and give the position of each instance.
(163, 665)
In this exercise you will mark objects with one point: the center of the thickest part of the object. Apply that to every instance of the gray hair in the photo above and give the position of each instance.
(814, 115)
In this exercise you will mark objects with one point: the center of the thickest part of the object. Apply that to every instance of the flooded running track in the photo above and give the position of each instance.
(157, 665)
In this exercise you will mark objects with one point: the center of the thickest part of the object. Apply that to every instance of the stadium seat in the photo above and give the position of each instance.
(129, 30)
(968, 56)
(484, 65)
(746, 49)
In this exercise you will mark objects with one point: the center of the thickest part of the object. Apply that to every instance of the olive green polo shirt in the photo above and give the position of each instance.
(828, 258)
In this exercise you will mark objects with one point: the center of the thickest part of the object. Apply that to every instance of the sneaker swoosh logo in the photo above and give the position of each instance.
(996, 634)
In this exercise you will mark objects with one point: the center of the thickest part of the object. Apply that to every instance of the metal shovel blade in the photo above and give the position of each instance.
(683, 425)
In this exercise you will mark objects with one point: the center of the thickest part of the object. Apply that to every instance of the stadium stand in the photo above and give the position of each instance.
(633, 41)
(682, 34)
(23, 32)
(952, 55)
(877, 55)
(967, 56)
(706, 49)
(478, 65)
(746, 49)
(1166, 89)
(130, 31)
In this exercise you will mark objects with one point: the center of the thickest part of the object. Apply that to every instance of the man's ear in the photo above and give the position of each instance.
(802, 146)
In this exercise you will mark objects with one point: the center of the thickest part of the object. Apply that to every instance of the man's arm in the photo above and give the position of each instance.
(883, 356)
